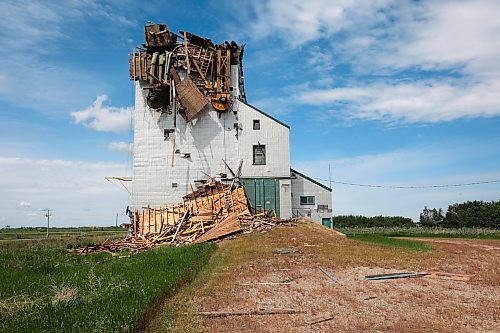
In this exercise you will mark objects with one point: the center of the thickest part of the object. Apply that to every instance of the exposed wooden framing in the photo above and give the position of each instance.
(187, 55)
(142, 230)
(161, 218)
(184, 217)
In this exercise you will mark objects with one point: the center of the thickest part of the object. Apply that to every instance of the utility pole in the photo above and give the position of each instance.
(116, 220)
(330, 175)
(47, 215)
(330, 178)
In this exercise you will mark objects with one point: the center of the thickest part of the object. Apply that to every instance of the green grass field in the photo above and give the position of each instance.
(43, 289)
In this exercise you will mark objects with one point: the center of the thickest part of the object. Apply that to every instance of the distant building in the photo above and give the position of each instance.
(126, 225)
(192, 126)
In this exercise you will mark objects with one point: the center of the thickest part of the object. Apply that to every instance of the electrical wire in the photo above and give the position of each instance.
(410, 186)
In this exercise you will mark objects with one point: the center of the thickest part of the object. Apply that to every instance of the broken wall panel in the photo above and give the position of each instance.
(208, 206)
(139, 64)
(191, 99)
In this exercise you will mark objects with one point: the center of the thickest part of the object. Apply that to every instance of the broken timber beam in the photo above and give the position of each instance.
(181, 222)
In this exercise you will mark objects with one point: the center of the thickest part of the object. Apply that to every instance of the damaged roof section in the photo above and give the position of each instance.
(185, 73)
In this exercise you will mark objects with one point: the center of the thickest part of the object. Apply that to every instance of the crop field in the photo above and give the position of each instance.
(472, 233)
(43, 289)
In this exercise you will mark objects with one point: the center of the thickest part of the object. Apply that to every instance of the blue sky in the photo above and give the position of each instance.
(386, 92)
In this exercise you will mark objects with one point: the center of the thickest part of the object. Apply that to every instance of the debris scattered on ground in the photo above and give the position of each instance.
(330, 276)
(432, 275)
(393, 276)
(449, 276)
(266, 283)
(320, 320)
(287, 250)
(212, 212)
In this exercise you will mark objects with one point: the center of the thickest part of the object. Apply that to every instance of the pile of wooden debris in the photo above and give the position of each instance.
(212, 212)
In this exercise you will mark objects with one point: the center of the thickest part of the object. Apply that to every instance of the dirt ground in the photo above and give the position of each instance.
(247, 274)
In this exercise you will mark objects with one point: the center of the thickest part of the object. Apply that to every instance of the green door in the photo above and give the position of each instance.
(327, 222)
(263, 194)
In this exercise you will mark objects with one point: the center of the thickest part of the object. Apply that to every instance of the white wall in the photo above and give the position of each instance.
(208, 138)
(304, 187)
(272, 134)
(285, 198)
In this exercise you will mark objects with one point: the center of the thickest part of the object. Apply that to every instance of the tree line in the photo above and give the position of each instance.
(357, 221)
(470, 214)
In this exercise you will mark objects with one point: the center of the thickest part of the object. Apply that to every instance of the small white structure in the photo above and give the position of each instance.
(173, 155)
(311, 198)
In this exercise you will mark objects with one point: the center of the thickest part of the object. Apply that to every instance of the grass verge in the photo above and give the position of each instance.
(391, 242)
(42, 289)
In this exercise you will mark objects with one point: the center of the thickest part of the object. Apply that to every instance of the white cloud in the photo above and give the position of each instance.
(24, 204)
(388, 33)
(447, 34)
(395, 47)
(299, 22)
(122, 147)
(104, 118)
(76, 191)
(422, 102)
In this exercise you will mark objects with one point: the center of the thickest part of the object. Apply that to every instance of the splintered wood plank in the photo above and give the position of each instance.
(229, 225)
(200, 218)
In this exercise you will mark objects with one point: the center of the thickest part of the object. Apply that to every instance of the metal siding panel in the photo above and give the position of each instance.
(263, 193)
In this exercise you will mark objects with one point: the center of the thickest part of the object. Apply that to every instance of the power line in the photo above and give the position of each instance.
(410, 186)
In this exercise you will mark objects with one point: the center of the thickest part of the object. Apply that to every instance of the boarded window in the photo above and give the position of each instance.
(322, 207)
(307, 200)
(259, 154)
(256, 124)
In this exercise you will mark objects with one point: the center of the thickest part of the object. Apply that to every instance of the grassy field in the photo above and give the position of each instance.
(43, 289)
(472, 233)
(37, 233)
(391, 242)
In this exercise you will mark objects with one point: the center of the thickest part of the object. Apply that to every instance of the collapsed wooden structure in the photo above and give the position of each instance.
(214, 211)
(202, 209)
(186, 66)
